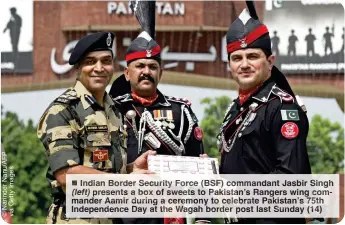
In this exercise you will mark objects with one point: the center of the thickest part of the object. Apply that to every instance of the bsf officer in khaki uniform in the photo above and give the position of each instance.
(81, 130)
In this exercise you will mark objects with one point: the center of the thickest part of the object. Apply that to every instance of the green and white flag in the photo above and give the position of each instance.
(291, 114)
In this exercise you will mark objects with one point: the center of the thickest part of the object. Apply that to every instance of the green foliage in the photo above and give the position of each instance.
(325, 146)
(25, 154)
(213, 118)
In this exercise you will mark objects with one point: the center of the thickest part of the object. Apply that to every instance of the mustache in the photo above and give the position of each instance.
(247, 71)
(146, 77)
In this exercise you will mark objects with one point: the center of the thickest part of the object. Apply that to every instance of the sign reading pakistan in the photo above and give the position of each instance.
(162, 8)
(17, 36)
(303, 42)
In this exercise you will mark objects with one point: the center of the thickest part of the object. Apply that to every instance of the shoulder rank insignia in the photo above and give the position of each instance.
(179, 100)
(68, 96)
(284, 96)
(123, 98)
(301, 103)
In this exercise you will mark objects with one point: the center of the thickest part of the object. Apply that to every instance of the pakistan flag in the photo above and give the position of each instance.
(290, 115)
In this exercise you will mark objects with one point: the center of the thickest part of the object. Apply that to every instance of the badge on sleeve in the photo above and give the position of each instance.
(289, 130)
(291, 114)
(198, 133)
(100, 155)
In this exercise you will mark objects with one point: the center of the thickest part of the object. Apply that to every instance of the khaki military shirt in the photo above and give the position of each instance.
(76, 130)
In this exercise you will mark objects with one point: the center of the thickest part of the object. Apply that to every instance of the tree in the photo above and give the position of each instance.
(213, 118)
(25, 154)
(325, 146)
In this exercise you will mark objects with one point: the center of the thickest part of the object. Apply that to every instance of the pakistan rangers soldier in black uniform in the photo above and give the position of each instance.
(165, 124)
(81, 130)
(153, 120)
(265, 129)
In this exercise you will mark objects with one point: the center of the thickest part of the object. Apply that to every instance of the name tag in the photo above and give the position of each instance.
(94, 128)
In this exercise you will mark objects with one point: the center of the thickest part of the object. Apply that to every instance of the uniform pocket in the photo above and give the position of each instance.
(119, 138)
(97, 139)
(249, 125)
(245, 131)
(249, 140)
(61, 133)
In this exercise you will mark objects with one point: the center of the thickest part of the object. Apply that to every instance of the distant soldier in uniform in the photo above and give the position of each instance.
(14, 25)
(81, 130)
(275, 43)
(292, 44)
(154, 121)
(265, 129)
(327, 38)
(310, 38)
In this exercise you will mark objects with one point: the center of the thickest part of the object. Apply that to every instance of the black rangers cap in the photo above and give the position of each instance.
(248, 32)
(144, 46)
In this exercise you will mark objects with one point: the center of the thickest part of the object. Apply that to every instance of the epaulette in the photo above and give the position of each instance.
(283, 95)
(186, 102)
(179, 100)
(66, 97)
(122, 98)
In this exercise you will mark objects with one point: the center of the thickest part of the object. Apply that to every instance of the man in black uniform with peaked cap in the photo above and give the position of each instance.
(154, 121)
(265, 129)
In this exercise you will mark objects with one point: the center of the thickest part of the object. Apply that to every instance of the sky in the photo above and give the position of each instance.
(31, 105)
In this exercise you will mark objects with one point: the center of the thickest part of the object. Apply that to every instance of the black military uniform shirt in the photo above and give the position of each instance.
(267, 134)
(168, 126)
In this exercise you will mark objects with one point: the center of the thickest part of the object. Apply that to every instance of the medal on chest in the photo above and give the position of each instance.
(164, 118)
